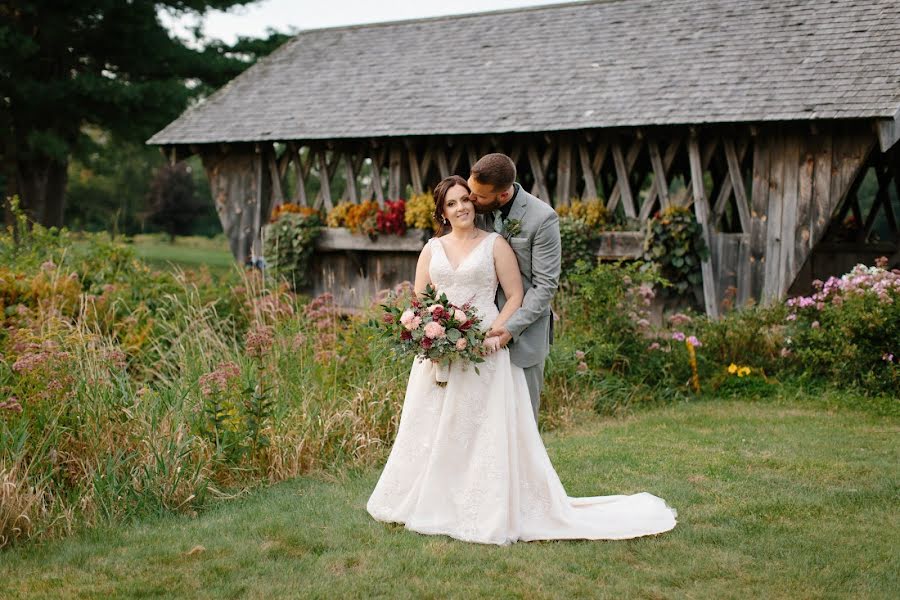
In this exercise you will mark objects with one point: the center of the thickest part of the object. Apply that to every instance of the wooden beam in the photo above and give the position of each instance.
(300, 192)
(668, 161)
(587, 173)
(659, 174)
(888, 132)
(414, 172)
(564, 172)
(771, 290)
(377, 162)
(325, 173)
(701, 210)
(395, 168)
(455, 157)
(737, 182)
(759, 202)
(443, 165)
(540, 187)
(623, 185)
(275, 176)
(350, 174)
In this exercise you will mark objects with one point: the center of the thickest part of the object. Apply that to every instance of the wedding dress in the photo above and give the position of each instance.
(468, 461)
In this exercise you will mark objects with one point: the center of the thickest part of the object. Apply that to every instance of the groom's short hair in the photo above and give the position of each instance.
(496, 170)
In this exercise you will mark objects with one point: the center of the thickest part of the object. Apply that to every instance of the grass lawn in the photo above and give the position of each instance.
(185, 252)
(776, 499)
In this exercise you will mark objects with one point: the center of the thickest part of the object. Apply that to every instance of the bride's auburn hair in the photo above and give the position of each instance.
(440, 197)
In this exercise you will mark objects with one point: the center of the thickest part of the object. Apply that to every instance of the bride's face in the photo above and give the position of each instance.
(458, 208)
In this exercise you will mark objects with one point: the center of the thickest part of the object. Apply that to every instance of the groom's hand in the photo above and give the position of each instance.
(501, 332)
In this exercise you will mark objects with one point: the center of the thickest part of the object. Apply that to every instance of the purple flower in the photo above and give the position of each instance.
(693, 341)
(678, 336)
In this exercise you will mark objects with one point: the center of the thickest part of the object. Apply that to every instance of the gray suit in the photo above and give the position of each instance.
(538, 250)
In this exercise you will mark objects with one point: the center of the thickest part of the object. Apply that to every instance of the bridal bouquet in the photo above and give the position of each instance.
(432, 328)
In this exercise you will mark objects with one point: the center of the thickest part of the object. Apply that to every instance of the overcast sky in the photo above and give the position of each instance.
(253, 20)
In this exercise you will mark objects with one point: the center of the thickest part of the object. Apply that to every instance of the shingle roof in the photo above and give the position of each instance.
(567, 66)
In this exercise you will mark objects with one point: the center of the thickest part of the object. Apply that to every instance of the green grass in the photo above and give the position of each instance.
(778, 499)
(185, 252)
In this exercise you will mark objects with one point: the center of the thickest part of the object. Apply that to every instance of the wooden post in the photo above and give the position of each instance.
(759, 199)
(350, 174)
(701, 210)
(300, 174)
(275, 175)
(395, 168)
(325, 179)
(564, 172)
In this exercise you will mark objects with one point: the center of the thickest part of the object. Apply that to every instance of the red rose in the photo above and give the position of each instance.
(387, 318)
(465, 326)
(405, 335)
(427, 342)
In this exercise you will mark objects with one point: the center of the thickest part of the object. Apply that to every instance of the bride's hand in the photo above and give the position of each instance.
(492, 344)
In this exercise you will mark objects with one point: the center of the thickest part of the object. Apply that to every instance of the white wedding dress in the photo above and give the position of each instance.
(468, 461)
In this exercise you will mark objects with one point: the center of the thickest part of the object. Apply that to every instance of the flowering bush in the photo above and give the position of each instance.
(392, 218)
(362, 218)
(592, 213)
(848, 330)
(290, 207)
(420, 212)
(337, 216)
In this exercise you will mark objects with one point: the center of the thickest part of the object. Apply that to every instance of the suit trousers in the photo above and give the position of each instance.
(534, 376)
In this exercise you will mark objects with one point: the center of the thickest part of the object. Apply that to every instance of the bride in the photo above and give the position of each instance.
(468, 461)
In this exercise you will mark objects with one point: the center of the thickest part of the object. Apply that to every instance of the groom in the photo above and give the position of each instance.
(531, 227)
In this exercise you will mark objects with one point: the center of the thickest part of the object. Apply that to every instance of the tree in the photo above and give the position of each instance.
(172, 201)
(65, 66)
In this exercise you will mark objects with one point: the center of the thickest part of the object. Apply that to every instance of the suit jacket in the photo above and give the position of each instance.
(538, 249)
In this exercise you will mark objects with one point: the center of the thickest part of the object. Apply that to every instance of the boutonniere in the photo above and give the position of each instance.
(511, 227)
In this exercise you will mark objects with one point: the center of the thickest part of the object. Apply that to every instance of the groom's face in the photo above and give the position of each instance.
(484, 197)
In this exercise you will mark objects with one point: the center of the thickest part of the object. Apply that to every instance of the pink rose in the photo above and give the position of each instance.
(461, 344)
(434, 330)
(407, 317)
(460, 316)
(579, 355)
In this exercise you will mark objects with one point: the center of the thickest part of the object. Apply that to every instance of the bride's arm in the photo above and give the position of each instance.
(422, 276)
(510, 280)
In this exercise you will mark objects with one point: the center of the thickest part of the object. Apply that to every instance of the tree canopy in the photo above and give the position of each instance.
(67, 65)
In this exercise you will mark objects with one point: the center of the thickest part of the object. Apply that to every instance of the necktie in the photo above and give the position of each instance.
(498, 221)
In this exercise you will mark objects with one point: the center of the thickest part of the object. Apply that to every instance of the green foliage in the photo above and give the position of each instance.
(100, 63)
(289, 246)
(577, 238)
(674, 241)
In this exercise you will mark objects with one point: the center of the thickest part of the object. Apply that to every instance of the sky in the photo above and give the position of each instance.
(284, 15)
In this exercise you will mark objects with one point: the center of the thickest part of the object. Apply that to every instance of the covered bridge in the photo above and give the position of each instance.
(777, 121)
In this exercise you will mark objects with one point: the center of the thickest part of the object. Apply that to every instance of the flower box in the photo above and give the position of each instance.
(340, 238)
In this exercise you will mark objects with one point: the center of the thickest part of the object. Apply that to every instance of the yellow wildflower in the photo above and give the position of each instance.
(732, 368)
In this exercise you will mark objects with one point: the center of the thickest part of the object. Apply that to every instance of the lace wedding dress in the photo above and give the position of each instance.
(468, 461)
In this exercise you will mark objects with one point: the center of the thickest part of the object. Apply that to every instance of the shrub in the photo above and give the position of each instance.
(289, 245)
(674, 241)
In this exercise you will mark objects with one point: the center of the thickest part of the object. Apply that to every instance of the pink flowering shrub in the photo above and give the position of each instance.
(848, 330)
